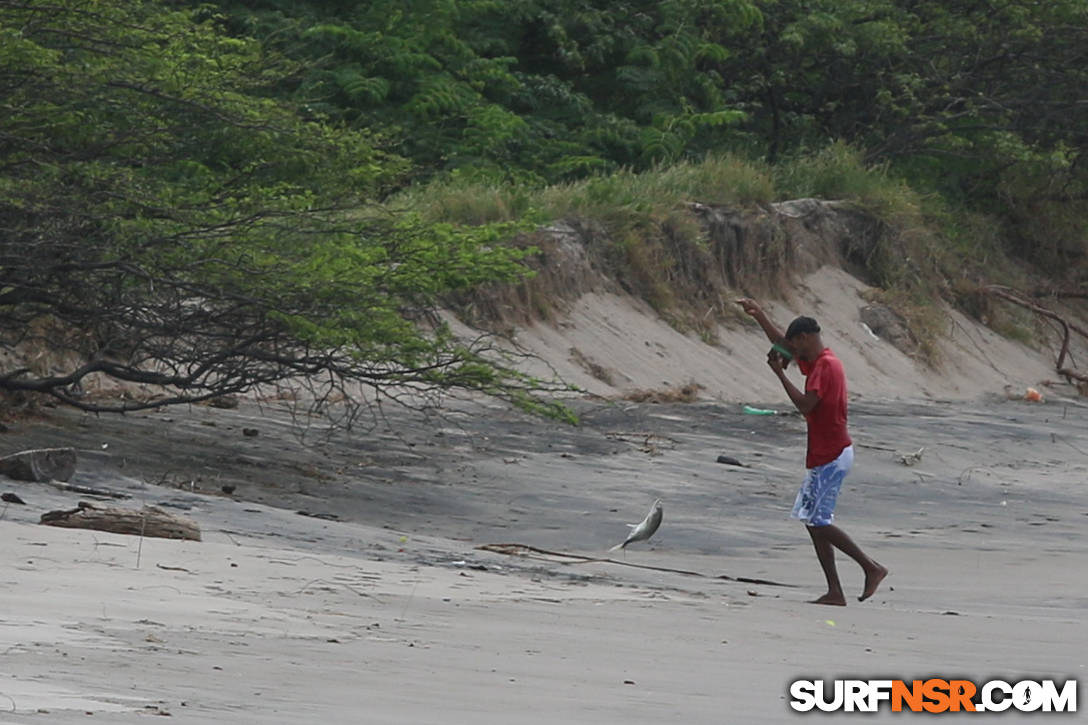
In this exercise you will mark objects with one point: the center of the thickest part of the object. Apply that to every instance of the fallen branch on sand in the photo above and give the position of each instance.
(651, 443)
(532, 552)
(87, 490)
(148, 521)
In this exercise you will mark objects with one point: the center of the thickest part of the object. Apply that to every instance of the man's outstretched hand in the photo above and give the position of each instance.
(774, 359)
(750, 306)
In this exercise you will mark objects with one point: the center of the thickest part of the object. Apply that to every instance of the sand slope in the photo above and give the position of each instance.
(625, 337)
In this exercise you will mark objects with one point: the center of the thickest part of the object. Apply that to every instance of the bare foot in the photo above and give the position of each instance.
(873, 578)
(835, 600)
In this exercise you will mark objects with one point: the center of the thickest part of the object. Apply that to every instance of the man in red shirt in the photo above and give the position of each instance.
(830, 450)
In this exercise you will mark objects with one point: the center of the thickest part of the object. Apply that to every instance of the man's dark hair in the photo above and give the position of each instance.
(802, 325)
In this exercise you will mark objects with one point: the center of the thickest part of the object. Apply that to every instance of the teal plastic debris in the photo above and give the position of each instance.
(759, 411)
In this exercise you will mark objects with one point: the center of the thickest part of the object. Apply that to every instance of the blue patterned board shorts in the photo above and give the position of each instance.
(815, 504)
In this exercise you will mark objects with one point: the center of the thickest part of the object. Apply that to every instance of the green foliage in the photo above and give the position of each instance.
(979, 102)
(181, 228)
(837, 171)
(1045, 199)
(956, 96)
(526, 90)
(622, 200)
(907, 252)
(656, 192)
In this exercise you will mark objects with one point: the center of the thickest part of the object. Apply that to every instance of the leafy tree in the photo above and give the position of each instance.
(951, 93)
(163, 221)
(954, 89)
(981, 101)
(526, 90)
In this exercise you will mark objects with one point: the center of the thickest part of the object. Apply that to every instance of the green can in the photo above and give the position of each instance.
(781, 350)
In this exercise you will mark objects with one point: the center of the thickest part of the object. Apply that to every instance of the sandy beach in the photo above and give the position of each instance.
(392, 614)
(345, 345)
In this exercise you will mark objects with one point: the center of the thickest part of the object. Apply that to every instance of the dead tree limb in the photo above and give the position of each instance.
(1019, 298)
(148, 521)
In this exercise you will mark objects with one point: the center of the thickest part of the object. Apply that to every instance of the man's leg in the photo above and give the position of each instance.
(834, 536)
(825, 552)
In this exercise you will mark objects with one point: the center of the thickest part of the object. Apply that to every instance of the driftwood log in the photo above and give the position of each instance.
(148, 521)
(42, 464)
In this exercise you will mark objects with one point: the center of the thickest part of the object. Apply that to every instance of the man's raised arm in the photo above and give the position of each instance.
(752, 308)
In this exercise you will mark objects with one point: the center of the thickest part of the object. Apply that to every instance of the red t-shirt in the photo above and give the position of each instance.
(827, 436)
